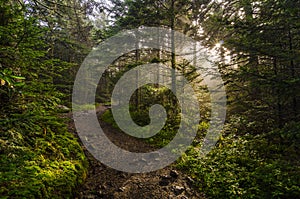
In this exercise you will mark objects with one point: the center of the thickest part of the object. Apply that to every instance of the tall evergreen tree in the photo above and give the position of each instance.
(262, 38)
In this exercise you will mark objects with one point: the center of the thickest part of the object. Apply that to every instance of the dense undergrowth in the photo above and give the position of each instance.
(247, 166)
(39, 157)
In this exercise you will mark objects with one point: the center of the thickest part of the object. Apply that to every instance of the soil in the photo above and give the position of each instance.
(105, 182)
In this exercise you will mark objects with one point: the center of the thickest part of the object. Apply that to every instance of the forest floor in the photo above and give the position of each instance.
(105, 182)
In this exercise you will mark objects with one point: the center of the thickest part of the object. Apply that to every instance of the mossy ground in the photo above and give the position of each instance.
(43, 160)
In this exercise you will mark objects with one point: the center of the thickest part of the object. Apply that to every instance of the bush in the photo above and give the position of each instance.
(39, 158)
(262, 166)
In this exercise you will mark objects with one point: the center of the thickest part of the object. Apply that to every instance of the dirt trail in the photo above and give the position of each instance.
(104, 182)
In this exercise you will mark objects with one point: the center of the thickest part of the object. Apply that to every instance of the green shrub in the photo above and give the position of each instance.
(262, 166)
(142, 118)
(39, 159)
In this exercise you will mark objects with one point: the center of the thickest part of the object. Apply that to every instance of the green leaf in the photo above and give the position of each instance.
(17, 77)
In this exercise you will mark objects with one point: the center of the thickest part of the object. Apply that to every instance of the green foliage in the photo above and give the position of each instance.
(39, 157)
(152, 94)
(262, 166)
(141, 118)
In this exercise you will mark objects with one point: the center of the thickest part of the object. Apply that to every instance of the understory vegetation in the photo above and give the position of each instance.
(39, 158)
(247, 166)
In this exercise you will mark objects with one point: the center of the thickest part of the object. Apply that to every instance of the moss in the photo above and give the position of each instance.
(51, 167)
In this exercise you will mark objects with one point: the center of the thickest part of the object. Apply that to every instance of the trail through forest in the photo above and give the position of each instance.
(104, 182)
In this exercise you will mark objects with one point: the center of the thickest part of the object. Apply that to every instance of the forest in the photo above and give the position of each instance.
(255, 46)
